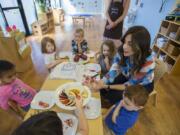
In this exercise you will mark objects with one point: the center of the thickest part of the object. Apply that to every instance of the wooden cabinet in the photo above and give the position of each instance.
(40, 27)
(50, 20)
(167, 43)
(45, 25)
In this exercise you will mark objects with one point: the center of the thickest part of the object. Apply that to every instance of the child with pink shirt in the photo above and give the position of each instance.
(13, 89)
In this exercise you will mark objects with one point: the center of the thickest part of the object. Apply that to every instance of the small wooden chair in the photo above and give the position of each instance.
(160, 69)
(89, 21)
(15, 108)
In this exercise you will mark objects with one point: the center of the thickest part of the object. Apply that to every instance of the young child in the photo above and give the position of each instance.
(49, 123)
(48, 48)
(79, 45)
(106, 55)
(124, 114)
(13, 89)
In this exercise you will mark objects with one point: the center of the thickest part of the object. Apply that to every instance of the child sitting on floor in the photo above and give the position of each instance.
(48, 48)
(12, 89)
(124, 114)
(79, 45)
(106, 55)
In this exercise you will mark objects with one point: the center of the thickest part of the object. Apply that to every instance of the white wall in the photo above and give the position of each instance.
(83, 6)
(148, 15)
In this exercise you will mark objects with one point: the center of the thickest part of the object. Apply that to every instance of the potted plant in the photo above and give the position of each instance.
(41, 5)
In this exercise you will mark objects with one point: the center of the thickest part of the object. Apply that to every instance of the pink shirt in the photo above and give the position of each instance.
(17, 91)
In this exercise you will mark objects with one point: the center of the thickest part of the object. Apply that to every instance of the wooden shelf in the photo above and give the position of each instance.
(163, 35)
(44, 26)
(164, 51)
(169, 38)
(170, 52)
(173, 22)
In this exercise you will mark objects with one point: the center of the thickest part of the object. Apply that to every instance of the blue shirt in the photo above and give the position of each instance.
(84, 47)
(125, 120)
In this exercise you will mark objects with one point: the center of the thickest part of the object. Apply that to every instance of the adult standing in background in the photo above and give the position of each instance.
(116, 13)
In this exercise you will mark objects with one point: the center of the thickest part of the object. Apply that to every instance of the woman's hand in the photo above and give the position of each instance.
(93, 84)
(111, 25)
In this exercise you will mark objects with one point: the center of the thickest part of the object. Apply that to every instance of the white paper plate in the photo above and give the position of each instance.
(68, 130)
(92, 109)
(93, 67)
(69, 86)
(44, 96)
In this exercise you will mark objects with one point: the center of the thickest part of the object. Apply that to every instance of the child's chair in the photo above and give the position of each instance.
(14, 107)
(160, 69)
(89, 21)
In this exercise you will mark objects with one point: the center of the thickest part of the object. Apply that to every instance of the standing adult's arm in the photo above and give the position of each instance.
(126, 7)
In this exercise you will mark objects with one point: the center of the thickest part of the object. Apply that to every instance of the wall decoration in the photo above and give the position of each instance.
(83, 6)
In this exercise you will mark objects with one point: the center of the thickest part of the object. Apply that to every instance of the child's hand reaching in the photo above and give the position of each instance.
(79, 102)
(116, 111)
(93, 84)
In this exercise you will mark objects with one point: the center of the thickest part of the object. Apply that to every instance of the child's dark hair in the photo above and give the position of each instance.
(140, 45)
(44, 42)
(111, 46)
(79, 30)
(45, 123)
(5, 66)
(137, 93)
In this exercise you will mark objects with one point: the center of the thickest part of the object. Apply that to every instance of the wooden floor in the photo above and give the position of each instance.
(164, 119)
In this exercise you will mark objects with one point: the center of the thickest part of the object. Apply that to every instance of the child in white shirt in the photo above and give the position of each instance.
(48, 49)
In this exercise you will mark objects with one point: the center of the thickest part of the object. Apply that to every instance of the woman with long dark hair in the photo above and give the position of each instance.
(133, 65)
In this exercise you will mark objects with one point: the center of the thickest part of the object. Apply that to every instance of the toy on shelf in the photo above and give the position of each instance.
(174, 15)
(44, 25)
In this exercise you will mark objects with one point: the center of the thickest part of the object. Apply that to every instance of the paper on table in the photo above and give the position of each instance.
(65, 70)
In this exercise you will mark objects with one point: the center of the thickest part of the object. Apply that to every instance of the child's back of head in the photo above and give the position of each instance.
(7, 72)
(5, 66)
(137, 94)
(46, 123)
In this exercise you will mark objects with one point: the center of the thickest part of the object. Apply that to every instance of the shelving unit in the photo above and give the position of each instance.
(50, 20)
(58, 14)
(40, 27)
(45, 25)
(167, 43)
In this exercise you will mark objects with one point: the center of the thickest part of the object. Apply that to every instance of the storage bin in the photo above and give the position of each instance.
(163, 30)
(173, 50)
